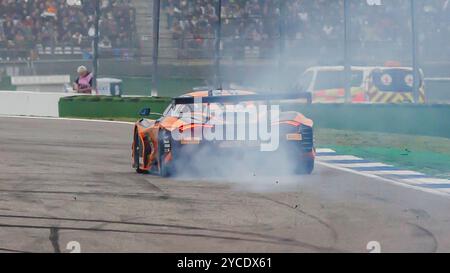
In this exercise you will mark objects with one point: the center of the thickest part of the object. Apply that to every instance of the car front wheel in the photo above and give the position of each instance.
(137, 154)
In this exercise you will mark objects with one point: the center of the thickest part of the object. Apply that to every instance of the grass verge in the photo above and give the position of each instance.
(95, 107)
(108, 118)
(430, 155)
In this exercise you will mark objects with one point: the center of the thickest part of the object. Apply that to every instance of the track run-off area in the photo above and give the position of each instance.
(69, 183)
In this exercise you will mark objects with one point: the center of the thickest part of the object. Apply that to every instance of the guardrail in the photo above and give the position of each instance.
(50, 83)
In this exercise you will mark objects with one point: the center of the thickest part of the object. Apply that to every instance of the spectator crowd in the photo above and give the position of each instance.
(24, 24)
(260, 23)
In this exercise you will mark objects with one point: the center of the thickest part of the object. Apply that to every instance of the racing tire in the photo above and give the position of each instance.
(137, 154)
(306, 167)
(165, 169)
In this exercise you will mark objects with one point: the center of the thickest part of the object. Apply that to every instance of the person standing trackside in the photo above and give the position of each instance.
(83, 84)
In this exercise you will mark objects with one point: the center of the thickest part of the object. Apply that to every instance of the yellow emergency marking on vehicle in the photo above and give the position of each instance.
(422, 95)
(338, 95)
(376, 96)
(389, 97)
(394, 85)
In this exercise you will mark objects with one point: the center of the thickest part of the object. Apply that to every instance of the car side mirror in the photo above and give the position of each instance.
(145, 112)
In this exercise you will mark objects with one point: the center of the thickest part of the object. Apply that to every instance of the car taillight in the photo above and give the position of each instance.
(290, 122)
(193, 126)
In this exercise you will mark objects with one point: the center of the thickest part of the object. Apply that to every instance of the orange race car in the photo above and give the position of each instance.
(213, 127)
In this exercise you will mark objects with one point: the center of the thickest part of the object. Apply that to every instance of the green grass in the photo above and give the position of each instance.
(116, 99)
(95, 107)
(109, 118)
(430, 155)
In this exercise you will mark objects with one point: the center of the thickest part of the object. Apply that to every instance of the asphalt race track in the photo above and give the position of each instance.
(65, 181)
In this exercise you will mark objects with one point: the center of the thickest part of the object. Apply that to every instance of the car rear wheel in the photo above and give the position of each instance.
(165, 168)
(306, 166)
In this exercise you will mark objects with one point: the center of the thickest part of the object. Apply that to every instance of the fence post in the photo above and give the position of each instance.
(96, 41)
(282, 32)
(156, 18)
(217, 56)
(347, 56)
(415, 52)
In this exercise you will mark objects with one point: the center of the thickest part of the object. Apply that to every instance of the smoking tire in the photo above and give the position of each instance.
(137, 153)
(306, 167)
(165, 169)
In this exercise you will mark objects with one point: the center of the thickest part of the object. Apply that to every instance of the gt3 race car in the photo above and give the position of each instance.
(220, 126)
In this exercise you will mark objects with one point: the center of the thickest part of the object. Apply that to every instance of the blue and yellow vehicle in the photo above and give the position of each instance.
(369, 84)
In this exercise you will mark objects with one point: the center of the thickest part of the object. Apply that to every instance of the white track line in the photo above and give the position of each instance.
(357, 165)
(394, 172)
(325, 151)
(398, 183)
(427, 180)
(339, 157)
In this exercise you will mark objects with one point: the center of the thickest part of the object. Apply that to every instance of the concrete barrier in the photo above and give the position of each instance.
(410, 119)
(22, 103)
(438, 90)
(53, 83)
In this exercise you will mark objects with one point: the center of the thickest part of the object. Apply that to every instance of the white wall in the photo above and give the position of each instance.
(21, 103)
(52, 83)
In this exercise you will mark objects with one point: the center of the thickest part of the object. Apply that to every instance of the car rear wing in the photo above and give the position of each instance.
(243, 98)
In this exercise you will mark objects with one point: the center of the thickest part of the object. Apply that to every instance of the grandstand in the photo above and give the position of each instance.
(307, 26)
(44, 37)
(251, 29)
(53, 29)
